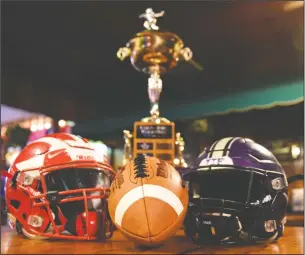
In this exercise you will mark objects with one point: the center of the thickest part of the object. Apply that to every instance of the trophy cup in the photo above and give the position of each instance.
(155, 52)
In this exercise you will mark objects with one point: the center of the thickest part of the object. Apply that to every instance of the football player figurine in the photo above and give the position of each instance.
(151, 21)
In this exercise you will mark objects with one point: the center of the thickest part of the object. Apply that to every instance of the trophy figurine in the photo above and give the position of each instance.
(155, 52)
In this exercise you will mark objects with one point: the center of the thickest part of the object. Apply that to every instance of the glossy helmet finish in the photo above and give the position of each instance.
(58, 189)
(238, 193)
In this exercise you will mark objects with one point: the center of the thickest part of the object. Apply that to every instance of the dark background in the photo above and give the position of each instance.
(59, 57)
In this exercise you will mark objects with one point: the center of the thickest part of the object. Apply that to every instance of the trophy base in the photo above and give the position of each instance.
(154, 119)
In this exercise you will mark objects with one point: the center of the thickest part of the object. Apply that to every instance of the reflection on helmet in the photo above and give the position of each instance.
(59, 189)
(238, 193)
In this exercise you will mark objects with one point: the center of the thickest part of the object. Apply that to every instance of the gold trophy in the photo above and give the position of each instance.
(127, 147)
(155, 52)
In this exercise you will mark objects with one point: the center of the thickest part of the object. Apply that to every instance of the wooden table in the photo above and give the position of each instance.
(11, 243)
(296, 220)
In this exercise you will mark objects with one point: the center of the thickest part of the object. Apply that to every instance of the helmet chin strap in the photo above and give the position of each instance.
(220, 227)
(235, 231)
(275, 231)
(250, 238)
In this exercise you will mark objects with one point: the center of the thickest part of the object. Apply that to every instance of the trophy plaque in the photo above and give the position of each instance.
(155, 52)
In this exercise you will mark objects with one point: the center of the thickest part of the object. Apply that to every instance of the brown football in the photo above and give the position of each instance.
(148, 201)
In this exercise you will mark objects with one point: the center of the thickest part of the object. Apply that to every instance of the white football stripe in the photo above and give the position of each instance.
(220, 146)
(126, 201)
(150, 190)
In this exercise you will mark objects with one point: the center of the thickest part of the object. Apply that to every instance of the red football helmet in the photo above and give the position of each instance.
(58, 189)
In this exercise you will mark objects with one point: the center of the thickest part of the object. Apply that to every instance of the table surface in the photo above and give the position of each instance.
(12, 243)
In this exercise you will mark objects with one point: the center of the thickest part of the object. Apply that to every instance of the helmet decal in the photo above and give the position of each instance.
(216, 161)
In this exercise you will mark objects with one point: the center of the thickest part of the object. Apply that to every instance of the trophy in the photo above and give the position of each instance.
(155, 52)
(127, 156)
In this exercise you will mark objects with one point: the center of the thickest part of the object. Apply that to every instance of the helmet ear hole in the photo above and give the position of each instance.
(15, 203)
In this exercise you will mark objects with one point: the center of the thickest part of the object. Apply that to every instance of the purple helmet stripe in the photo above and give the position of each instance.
(230, 145)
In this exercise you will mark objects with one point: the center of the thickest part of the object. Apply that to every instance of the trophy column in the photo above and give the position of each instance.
(154, 91)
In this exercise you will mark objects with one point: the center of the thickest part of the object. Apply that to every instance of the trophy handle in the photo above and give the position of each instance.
(127, 147)
(123, 53)
(180, 161)
(187, 55)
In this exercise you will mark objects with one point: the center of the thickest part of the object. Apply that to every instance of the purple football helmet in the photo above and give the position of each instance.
(238, 193)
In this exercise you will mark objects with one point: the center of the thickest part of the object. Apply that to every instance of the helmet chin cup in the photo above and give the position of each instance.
(246, 237)
(213, 228)
(217, 228)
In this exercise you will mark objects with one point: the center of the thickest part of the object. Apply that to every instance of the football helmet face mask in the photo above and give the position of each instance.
(58, 189)
(238, 193)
